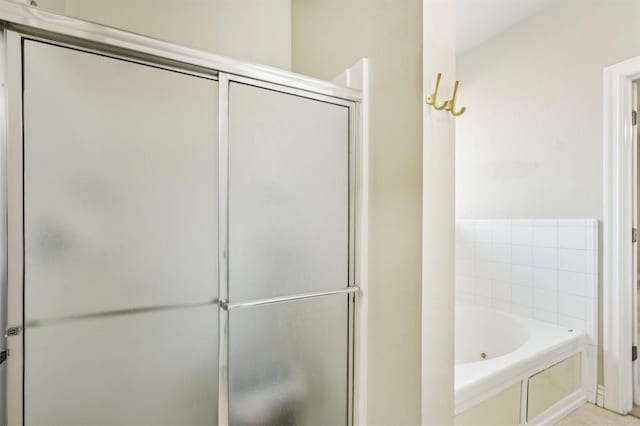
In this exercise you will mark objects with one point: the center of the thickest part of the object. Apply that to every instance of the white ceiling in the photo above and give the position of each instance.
(479, 20)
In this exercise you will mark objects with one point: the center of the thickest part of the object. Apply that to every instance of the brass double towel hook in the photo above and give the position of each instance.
(450, 105)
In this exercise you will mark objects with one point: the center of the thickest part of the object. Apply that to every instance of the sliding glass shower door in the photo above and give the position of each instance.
(289, 206)
(188, 246)
(120, 242)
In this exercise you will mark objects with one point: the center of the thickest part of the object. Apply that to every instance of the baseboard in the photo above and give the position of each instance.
(600, 396)
(561, 409)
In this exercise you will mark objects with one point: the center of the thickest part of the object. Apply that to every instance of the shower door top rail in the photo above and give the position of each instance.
(35, 21)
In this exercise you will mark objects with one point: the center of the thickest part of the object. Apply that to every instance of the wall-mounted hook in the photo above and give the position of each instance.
(451, 103)
(432, 99)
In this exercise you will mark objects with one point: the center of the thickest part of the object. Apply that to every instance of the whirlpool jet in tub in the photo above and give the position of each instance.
(484, 334)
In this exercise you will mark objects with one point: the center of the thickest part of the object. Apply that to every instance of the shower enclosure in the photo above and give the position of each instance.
(181, 234)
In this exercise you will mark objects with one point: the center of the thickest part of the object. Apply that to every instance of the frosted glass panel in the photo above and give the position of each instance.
(156, 368)
(288, 363)
(120, 184)
(288, 194)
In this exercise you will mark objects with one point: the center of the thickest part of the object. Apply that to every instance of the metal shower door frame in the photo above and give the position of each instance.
(351, 288)
(20, 22)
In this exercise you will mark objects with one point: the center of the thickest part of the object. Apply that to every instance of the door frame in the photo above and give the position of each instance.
(634, 219)
(618, 198)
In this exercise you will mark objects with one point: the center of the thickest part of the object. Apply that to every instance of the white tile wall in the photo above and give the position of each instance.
(542, 269)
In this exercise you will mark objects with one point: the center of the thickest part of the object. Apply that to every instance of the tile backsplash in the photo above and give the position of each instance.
(542, 269)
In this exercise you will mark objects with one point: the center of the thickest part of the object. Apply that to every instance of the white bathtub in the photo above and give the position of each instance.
(495, 350)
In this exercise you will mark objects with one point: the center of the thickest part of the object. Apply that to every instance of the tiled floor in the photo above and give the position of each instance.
(590, 415)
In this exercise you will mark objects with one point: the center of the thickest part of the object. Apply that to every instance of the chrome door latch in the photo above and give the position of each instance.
(13, 331)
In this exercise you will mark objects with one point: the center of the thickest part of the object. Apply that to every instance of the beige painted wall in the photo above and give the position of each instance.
(328, 36)
(530, 144)
(251, 30)
(438, 213)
